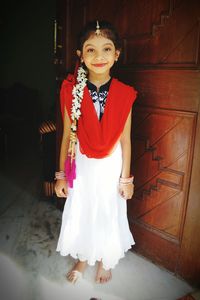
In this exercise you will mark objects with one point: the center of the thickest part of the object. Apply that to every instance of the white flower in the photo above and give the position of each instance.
(73, 127)
(77, 93)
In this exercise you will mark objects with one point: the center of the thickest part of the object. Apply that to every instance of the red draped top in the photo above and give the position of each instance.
(97, 138)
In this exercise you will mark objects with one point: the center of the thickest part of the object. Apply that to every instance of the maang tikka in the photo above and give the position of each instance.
(98, 31)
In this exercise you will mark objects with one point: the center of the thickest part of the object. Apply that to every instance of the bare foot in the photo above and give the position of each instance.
(77, 271)
(102, 275)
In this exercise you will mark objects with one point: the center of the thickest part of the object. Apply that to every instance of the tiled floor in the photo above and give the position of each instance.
(30, 267)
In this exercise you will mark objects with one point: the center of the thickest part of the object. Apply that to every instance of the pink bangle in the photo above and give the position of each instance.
(127, 180)
(60, 175)
(128, 183)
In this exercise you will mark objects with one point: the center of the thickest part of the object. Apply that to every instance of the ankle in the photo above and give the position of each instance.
(80, 265)
(82, 262)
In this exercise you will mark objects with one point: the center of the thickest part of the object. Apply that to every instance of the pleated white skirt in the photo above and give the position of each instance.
(94, 221)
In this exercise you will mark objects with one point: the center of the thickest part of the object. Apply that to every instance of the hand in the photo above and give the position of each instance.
(126, 190)
(61, 188)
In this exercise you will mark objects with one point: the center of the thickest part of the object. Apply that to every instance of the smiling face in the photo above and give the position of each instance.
(98, 54)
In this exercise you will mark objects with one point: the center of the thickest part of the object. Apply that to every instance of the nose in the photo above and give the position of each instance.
(99, 55)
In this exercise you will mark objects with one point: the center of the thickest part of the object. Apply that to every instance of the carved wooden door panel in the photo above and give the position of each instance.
(160, 58)
(162, 149)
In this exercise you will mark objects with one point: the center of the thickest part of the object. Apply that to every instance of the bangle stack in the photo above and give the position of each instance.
(126, 181)
(60, 175)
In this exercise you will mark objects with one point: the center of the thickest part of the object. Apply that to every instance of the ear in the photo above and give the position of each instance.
(117, 54)
(78, 52)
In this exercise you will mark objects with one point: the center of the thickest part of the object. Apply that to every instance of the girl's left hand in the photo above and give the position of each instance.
(126, 191)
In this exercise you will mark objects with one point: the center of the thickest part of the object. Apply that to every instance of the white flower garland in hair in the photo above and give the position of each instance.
(77, 93)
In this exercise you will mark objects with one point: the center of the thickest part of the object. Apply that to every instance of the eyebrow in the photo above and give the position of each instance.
(92, 45)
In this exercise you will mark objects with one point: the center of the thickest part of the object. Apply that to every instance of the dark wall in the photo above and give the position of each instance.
(26, 48)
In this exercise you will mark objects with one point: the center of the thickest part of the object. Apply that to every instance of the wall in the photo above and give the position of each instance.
(27, 48)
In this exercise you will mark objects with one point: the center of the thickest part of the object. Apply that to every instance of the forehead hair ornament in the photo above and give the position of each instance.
(98, 31)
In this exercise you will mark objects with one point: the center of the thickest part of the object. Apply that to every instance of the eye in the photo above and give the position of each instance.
(107, 49)
(90, 50)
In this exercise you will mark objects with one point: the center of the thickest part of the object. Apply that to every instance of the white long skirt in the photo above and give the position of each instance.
(94, 221)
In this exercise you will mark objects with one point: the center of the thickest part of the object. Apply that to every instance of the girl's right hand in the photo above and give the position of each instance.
(61, 188)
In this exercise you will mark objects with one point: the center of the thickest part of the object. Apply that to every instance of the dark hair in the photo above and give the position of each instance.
(107, 30)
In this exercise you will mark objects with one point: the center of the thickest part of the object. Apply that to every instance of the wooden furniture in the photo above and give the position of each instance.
(161, 60)
(47, 130)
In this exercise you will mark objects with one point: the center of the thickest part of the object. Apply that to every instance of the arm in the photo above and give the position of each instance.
(65, 139)
(126, 191)
(61, 184)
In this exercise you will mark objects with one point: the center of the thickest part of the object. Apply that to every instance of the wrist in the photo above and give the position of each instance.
(126, 180)
(60, 175)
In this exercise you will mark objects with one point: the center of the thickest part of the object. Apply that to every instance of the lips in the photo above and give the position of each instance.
(99, 65)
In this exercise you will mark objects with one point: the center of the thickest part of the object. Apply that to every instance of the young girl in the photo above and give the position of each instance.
(94, 223)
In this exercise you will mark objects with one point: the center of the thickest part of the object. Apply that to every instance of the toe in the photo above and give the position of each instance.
(104, 280)
(70, 276)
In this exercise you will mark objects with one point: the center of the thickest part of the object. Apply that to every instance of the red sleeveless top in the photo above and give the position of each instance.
(97, 138)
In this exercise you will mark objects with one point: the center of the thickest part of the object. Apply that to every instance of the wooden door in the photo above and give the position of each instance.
(161, 60)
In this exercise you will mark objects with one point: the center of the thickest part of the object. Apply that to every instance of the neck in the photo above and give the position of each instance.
(98, 79)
